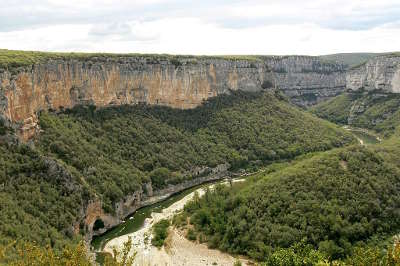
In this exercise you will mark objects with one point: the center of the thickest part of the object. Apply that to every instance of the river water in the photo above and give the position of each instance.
(136, 220)
(363, 135)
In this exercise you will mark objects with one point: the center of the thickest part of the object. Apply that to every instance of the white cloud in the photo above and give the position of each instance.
(209, 27)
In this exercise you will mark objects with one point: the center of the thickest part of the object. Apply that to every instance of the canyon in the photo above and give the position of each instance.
(181, 82)
(381, 74)
(93, 211)
(178, 81)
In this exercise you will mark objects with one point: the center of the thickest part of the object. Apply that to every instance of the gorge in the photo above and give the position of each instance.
(174, 81)
(94, 137)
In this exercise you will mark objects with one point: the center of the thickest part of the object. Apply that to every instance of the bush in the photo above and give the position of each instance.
(31, 254)
(237, 263)
(191, 234)
(304, 200)
(3, 128)
(267, 84)
(160, 233)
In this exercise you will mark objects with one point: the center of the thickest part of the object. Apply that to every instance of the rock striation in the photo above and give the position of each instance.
(180, 83)
(307, 80)
(381, 73)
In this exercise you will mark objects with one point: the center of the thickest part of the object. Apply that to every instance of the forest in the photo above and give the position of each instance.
(379, 112)
(107, 153)
(39, 200)
(117, 149)
(336, 202)
(319, 195)
(339, 206)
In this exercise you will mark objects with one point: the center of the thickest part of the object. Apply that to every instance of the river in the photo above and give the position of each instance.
(364, 136)
(136, 221)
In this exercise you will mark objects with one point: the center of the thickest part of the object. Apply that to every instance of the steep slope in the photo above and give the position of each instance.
(39, 199)
(110, 160)
(332, 201)
(381, 73)
(350, 60)
(34, 81)
(377, 111)
(372, 98)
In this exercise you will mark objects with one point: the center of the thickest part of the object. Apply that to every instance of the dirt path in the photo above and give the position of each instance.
(180, 251)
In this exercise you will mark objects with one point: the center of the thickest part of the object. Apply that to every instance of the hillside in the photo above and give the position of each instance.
(31, 82)
(376, 111)
(40, 200)
(92, 153)
(333, 201)
(350, 59)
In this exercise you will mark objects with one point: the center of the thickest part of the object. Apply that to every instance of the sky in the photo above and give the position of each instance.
(205, 27)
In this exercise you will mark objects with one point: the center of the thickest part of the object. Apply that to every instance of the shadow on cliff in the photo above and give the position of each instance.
(184, 119)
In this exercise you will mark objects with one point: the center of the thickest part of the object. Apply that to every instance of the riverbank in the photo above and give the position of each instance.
(139, 201)
(179, 251)
(364, 136)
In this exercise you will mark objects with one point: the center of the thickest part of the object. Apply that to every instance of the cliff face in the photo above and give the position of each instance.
(307, 80)
(381, 73)
(94, 211)
(183, 83)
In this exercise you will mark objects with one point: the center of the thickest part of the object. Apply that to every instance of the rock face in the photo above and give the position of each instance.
(183, 83)
(94, 211)
(380, 73)
(307, 80)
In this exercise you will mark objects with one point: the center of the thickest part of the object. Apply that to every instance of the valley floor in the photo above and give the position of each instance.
(178, 250)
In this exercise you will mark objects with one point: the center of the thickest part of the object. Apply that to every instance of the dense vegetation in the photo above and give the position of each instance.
(118, 149)
(333, 201)
(302, 254)
(337, 109)
(39, 201)
(88, 153)
(12, 59)
(350, 59)
(4, 129)
(160, 233)
(35, 255)
(297, 255)
(379, 112)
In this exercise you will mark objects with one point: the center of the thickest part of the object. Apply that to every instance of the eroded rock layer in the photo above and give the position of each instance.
(183, 83)
(380, 73)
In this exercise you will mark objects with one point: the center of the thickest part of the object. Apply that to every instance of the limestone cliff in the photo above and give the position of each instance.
(380, 73)
(180, 83)
(129, 204)
(307, 80)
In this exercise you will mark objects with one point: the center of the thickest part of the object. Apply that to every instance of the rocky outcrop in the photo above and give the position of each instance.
(180, 83)
(381, 73)
(144, 197)
(307, 80)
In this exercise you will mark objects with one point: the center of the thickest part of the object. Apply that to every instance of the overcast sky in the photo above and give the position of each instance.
(201, 27)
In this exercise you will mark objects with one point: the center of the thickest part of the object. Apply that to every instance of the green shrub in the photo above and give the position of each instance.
(3, 128)
(237, 263)
(160, 233)
(191, 234)
(274, 211)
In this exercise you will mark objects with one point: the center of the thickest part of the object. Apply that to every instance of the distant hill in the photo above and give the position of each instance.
(333, 201)
(350, 59)
(378, 112)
